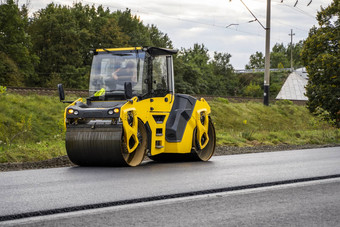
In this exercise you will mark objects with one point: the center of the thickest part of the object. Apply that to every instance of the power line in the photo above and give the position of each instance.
(253, 15)
(297, 2)
(289, 25)
(298, 9)
(275, 22)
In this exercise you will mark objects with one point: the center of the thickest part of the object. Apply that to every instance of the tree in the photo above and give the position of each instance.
(158, 38)
(193, 71)
(279, 56)
(17, 61)
(10, 73)
(197, 73)
(134, 28)
(224, 81)
(256, 61)
(63, 37)
(297, 48)
(56, 40)
(321, 55)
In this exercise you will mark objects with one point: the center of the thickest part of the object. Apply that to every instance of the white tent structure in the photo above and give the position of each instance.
(294, 87)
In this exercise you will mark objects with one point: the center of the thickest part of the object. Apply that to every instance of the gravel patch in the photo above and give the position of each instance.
(64, 161)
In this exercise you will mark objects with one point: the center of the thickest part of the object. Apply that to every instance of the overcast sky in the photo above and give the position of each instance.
(195, 21)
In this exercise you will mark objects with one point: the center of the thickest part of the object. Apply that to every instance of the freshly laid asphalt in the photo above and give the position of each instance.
(36, 191)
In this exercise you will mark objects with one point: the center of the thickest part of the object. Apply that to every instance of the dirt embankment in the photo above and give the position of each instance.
(63, 161)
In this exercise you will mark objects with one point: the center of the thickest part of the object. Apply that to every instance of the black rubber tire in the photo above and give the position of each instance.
(136, 157)
(206, 153)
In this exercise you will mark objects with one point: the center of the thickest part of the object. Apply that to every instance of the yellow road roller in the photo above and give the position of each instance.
(132, 111)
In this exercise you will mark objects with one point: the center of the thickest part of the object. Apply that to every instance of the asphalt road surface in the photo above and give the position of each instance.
(315, 203)
(35, 192)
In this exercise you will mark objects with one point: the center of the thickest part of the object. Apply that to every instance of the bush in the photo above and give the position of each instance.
(222, 100)
(253, 90)
(284, 102)
(2, 90)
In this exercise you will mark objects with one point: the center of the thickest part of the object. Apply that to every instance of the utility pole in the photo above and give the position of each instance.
(291, 49)
(267, 54)
(267, 58)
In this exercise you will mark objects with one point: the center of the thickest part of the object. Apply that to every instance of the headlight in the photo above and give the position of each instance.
(76, 112)
(70, 111)
(115, 110)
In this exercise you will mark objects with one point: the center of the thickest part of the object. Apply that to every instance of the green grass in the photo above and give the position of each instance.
(31, 126)
(250, 124)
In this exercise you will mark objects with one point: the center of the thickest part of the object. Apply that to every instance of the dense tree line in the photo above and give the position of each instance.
(53, 46)
(17, 60)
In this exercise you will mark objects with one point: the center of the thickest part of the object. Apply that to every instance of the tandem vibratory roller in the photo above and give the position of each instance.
(132, 111)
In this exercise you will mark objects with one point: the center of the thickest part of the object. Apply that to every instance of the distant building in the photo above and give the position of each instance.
(294, 86)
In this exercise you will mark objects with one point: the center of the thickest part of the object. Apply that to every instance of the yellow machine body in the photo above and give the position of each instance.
(145, 110)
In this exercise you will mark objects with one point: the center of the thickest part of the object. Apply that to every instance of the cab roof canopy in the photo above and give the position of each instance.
(150, 50)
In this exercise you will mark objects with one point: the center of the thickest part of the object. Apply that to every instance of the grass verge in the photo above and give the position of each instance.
(31, 126)
(251, 124)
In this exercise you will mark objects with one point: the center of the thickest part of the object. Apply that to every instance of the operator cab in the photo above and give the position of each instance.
(149, 70)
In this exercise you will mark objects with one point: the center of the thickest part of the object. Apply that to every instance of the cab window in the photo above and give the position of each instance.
(160, 80)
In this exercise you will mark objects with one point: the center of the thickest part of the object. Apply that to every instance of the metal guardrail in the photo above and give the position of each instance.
(45, 91)
(260, 70)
